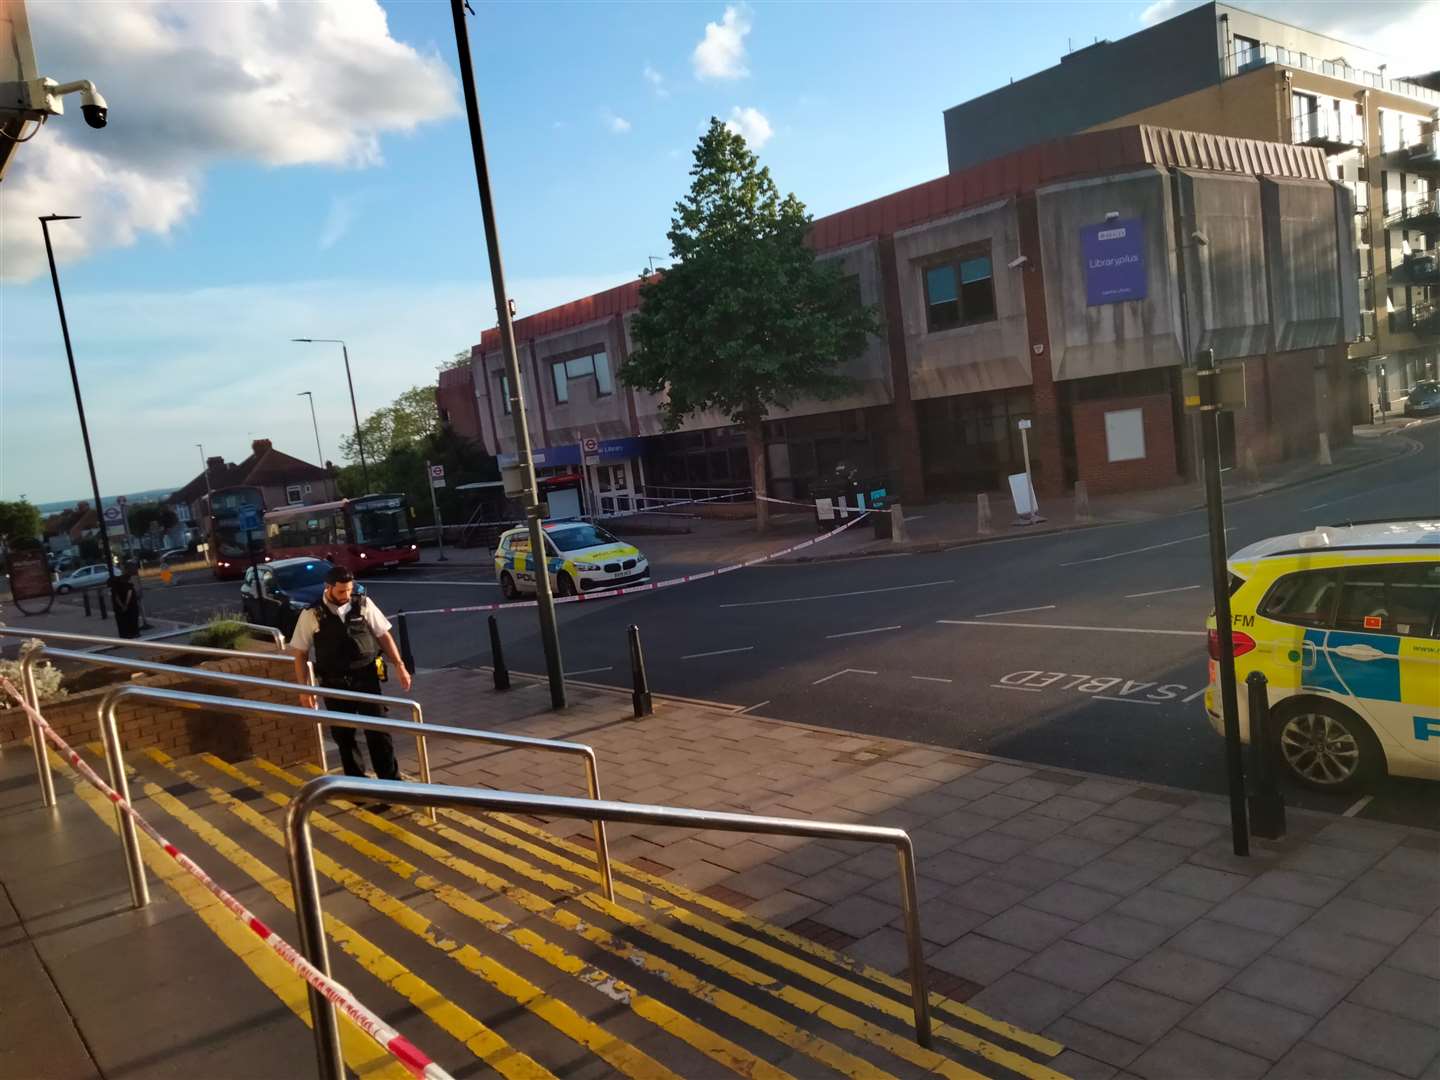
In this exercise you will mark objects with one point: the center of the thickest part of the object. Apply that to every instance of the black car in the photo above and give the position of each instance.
(1424, 399)
(290, 586)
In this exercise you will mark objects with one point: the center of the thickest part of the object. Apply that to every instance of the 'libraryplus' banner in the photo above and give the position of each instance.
(1114, 261)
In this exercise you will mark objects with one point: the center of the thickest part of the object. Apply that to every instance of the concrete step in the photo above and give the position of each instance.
(487, 938)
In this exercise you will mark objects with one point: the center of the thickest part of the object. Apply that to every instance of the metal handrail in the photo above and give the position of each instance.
(328, 788)
(272, 632)
(110, 734)
(27, 685)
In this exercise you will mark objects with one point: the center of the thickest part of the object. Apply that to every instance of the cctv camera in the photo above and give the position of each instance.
(93, 107)
(1199, 238)
(1017, 262)
(1112, 215)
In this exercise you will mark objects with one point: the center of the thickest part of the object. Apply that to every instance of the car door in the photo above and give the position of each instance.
(524, 564)
(1382, 651)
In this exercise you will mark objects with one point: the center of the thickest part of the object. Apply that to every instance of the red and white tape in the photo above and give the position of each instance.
(416, 1062)
(650, 587)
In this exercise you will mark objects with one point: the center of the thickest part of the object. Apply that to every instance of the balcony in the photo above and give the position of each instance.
(1334, 132)
(1420, 215)
(1421, 319)
(1243, 60)
(1424, 153)
(1416, 270)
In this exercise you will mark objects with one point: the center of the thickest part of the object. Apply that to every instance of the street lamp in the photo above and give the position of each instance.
(359, 443)
(319, 454)
(80, 403)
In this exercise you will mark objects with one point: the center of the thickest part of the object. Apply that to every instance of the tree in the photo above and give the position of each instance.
(459, 360)
(746, 319)
(143, 516)
(403, 423)
(19, 521)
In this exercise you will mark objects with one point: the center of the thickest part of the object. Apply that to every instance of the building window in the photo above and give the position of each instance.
(504, 393)
(596, 365)
(1247, 51)
(293, 495)
(959, 292)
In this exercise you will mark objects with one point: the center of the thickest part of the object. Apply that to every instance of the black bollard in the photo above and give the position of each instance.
(100, 599)
(85, 599)
(1267, 804)
(497, 657)
(644, 706)
(407, 654)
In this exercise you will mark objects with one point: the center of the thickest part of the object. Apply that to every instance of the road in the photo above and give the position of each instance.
(1084, 649)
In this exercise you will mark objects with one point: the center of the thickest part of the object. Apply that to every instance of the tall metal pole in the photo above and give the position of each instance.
(354, 412)
(549, 634)
(1220, 584)
(435, 511)
(209, 498)
(79, 401)
(319, 453)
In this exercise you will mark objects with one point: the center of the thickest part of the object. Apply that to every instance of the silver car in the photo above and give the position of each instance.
(87, 577)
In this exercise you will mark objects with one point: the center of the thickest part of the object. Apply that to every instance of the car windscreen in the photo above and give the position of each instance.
(230, 541)
(299, 575)
(575, 537)
(382, 521)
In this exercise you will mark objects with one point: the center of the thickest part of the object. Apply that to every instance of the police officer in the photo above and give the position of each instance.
(348, 634)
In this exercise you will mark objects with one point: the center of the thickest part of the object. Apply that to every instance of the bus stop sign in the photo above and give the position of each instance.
(1226, 384)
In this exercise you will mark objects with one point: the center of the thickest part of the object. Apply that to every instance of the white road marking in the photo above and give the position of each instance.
(1161, 592)
(434, 581)
(589, 670)
(931, 678)
(844, 671)
(1137, 551)
(1360, 804)
(1064, 626)
(1196, 694)
(857, 633)
(716, 652)
(1015, 611)
(757, 705)
(1006, 686)
(836, 595)
(1130, 700)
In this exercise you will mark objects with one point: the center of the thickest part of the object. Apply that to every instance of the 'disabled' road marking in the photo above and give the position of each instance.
(1138, 551)
(838, 595)
(844, 671)
(1067, 626)
(1161, 592)
(1015, 611)
(361, 1052)
(717, 652)
(858, 633)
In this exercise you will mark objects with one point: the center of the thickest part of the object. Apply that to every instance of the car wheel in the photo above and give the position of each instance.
(564, 584)
(1325, 746)
(62, 589)
(507, 587)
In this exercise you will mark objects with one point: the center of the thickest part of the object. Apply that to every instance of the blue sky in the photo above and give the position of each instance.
(332, 193)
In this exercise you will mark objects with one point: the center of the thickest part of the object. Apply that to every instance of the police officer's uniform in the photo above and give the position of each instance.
(347, 647)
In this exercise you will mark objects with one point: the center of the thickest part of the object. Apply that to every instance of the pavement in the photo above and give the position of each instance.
(1111, 916)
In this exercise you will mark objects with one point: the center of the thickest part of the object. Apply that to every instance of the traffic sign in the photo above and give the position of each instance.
(114, 515)
(437, 476)
(590, 446)
(121, 500)
(249, 517)
(1227, 390)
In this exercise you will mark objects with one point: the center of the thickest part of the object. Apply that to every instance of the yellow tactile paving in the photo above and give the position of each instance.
(449, 1017)
(362, 1054)
(842, 1061)
(625, 1058)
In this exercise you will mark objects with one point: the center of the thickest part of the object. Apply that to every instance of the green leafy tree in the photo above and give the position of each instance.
(19, 521)
(459, 360)
(406, 421)
(746, 319)
(143, 516)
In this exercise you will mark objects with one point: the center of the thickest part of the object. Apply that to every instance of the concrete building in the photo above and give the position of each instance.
(1063, 283)
(1225, 71)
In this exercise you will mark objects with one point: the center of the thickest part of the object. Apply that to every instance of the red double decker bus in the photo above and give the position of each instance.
(237, 534)
(360, 534)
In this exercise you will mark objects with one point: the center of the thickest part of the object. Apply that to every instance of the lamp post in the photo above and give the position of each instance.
(80, 403)
(549, 632)
(359, 442)
(319, 454)
(209, 508)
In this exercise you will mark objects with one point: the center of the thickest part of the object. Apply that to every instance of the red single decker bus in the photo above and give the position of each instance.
(360, 534)
(237, 535)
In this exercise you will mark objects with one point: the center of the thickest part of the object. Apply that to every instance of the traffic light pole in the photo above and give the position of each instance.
(549, 632)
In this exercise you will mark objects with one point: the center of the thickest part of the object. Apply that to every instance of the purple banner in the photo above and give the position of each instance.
(1114, 254)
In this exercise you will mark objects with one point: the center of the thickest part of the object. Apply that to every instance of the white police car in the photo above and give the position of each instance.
(581, 558)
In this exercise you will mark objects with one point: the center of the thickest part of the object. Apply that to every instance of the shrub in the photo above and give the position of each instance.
(221, 632)
(47, 676)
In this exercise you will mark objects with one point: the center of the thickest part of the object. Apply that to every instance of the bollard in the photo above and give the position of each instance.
(1249, 469)
(1082, 501)
(1323, 457)
(644, 706)
(100, 599)
(982, 515)
(897, 525)
(85, 599)
(497, 657)
(407, 654)
(1267, 804)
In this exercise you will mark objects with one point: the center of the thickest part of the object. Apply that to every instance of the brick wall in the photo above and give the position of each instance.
(1156, 469)
(178, 731)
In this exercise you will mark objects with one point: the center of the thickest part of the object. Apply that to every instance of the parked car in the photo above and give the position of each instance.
(1423, 398)
(174, 555)
(581, 558)
(87, 577)
(289, 586)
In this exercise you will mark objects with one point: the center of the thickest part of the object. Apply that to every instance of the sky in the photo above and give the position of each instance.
(278, 169)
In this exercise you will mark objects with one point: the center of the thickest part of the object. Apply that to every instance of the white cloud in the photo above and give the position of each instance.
(751, 123)
(656, 81)
(721, 53)
(192, 85)
(343, 213)
(1403, 30)
(616, 125)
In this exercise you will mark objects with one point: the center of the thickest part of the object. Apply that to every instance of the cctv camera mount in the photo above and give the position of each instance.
(44, 98)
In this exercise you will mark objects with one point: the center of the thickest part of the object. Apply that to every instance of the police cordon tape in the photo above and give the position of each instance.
(416, 1061)
(650, 587)
(663, 508)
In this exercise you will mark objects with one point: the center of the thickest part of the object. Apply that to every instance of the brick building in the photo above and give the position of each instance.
(280, 478)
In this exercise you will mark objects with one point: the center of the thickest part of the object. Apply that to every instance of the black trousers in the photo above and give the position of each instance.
(379, 743)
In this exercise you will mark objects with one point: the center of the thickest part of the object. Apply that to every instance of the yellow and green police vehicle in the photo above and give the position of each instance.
(581, 558)
(1344, 623)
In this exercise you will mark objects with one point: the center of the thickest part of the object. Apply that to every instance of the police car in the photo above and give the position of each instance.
(1344, 622)
(581, 558)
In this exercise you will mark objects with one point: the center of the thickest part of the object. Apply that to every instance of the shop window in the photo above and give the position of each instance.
(959, 292)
